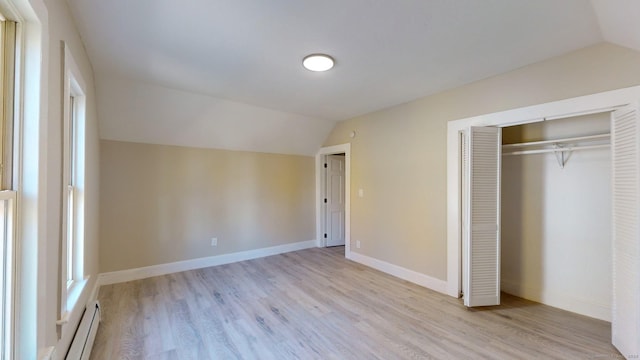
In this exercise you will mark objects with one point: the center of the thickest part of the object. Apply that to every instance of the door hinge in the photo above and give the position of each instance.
(325, 235)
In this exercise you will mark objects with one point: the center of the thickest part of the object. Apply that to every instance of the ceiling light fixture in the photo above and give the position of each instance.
(318, 62)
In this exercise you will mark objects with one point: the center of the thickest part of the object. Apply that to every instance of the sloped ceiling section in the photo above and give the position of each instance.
(246, 55)
(619, 21)
(135, 111)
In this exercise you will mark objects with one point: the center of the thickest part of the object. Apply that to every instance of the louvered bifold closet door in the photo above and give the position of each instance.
(481, 283)
(625, 146)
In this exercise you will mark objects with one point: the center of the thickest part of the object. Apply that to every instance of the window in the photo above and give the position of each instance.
(73, 160)
(71, 150)
(7, 192)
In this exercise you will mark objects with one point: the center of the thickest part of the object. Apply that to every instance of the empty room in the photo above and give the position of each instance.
(224, 179)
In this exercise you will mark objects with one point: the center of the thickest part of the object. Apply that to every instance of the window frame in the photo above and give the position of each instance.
(72, 279)
(9, 152)
(30, 120)
(7, 293)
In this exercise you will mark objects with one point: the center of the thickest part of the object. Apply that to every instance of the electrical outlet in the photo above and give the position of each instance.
(358, 244)
(214, 241)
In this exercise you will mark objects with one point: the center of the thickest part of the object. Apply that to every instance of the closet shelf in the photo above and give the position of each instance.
(560, 147)
(558, 141)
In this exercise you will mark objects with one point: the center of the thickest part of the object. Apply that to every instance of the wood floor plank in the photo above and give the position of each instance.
(315, 304)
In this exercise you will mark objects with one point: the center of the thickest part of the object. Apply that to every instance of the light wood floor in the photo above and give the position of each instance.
(315, 304)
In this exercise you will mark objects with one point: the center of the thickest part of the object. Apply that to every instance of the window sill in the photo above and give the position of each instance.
(74, 290)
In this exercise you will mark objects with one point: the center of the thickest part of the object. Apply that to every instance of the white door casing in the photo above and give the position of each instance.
(625, 156)
(335, 200)
(481, 216)
(320, 186)
(582, 105)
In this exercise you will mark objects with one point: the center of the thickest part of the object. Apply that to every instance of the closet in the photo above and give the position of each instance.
(556, 213)
(542, 234)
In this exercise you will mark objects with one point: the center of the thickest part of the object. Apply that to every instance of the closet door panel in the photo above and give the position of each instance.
(625, 146)
(482, 204)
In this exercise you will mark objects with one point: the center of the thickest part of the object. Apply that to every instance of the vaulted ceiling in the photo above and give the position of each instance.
(246, 54)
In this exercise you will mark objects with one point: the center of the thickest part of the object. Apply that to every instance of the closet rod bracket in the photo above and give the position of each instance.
(560, 151)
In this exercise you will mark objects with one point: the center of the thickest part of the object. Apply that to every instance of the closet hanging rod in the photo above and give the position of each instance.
(545, 142)
(556, 150)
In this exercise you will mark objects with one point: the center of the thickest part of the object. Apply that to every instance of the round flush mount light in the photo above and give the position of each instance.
(318, 62)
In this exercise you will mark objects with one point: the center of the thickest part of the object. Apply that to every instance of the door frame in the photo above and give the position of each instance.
(320, 214)
(333, 203)
(583, 105)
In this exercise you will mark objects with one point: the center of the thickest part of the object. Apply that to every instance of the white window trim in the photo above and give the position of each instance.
(29, 174)
(9, 196)
(74, 86)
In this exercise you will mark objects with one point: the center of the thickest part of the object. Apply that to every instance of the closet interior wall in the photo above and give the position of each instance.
(556, 222)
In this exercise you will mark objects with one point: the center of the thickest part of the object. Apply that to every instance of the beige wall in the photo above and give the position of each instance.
(399, 154)
(161, 204)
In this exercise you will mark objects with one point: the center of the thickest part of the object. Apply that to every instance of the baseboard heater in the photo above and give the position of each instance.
(85, 335)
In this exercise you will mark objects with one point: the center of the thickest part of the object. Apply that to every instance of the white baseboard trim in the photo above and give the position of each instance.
(115, 277)
(402, 273)
(564, 301)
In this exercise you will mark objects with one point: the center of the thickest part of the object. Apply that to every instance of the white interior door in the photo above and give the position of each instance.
(625, 152)
(335, 200)
(481, 219)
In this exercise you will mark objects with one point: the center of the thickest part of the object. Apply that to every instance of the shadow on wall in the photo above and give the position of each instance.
(521, 212)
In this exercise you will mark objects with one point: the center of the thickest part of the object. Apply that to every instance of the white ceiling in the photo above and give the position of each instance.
(387, 51)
